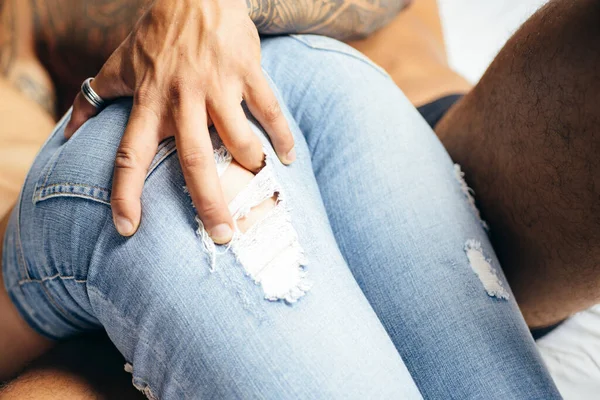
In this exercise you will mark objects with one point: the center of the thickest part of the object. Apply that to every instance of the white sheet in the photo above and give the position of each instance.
(475, 31)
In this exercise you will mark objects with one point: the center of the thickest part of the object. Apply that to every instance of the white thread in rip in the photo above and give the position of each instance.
(469, 194)
(482, 267)
(222, 159)
(269, 251)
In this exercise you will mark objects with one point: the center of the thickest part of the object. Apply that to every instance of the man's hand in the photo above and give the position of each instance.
(187, 63)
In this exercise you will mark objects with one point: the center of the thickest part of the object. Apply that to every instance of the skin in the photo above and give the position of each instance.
(414, 61)
(37, 42)
(179, 66)
(24, 119)
(527, 137)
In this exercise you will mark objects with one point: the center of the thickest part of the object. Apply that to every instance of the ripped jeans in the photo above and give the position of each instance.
(372, 277)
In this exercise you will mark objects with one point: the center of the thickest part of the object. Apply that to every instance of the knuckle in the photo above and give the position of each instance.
(179, 90)
(211, 209)
(126, 158)
(272, 111)
(119, 201)
(193, 159)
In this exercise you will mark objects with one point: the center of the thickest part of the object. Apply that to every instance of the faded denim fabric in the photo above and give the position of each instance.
(396, 310)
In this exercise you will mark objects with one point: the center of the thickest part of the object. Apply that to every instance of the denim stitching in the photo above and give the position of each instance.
(56, 188)
(166, 155)
(60, 309)
(352, 54)
(51, 278)
(53, 159)
(167, 150)
(50, 165)
(21, 256)
(83, 196)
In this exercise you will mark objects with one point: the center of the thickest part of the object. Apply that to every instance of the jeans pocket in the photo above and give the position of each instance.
(83, 166)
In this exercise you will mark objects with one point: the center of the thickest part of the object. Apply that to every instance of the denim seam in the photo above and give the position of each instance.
(63, 194)
(363, 59)
(57, 306)
(51, 165)
(51, 278)
(21, 256)
(37, 197)
(144, 342)
(155, 165)
(64, 312)
(52, 161)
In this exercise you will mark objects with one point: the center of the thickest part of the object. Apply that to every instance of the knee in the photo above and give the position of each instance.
(313, 72)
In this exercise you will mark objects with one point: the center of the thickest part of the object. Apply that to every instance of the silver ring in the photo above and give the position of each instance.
(90, 95)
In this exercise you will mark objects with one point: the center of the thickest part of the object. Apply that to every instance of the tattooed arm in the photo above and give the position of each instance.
(73, 38)
(340, 19)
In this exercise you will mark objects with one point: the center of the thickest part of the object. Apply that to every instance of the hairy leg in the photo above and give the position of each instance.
(528, 139)
(80, 369)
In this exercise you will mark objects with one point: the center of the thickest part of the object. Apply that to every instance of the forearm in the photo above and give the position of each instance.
(73, 38)
(98, 27)
(340, 19)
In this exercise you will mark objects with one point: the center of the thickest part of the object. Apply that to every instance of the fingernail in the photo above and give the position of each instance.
(124, 226)
(291, 156)
(221, 233)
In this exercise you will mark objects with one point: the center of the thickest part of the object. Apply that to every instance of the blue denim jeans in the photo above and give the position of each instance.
(407, 298)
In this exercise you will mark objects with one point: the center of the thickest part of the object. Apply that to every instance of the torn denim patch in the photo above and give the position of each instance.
(484, 270)
(469, 194)
(270, 251)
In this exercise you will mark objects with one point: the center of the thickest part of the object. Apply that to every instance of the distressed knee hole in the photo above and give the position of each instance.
(233, 181)
(265, 242)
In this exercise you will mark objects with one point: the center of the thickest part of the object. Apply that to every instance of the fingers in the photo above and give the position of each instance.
(108, 84)
(136, 151)
(199, 170)
(234, 129)
(265, 107)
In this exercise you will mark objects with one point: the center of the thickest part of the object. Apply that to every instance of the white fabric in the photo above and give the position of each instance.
(475, 31)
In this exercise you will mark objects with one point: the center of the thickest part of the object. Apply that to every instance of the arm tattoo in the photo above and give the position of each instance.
(36, 91)
(73, 38)
(341, 19)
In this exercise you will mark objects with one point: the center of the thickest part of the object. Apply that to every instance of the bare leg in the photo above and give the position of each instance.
(528, 139)
(80, 369)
